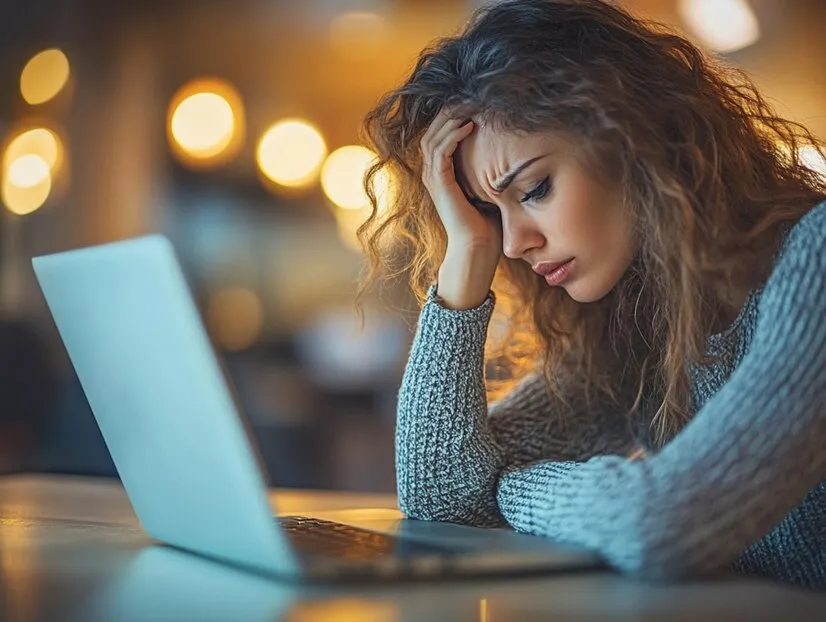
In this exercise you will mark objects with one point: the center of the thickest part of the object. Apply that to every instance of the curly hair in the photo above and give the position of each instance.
(710, 173)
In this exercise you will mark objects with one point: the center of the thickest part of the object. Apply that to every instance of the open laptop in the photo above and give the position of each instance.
(183, 452)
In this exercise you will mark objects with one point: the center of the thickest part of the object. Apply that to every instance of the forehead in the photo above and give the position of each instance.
(489, 153)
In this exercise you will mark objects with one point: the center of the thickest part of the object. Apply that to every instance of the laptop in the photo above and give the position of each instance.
(185, 455)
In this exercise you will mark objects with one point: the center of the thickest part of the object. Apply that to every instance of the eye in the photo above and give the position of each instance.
(539, 191)
(488, 209)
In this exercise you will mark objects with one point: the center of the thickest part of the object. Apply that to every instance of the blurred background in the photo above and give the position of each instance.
(233, 128)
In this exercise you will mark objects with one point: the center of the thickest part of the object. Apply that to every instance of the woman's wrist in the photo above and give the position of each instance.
(465, 279)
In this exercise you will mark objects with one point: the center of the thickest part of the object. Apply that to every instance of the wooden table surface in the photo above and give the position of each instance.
(72, 549)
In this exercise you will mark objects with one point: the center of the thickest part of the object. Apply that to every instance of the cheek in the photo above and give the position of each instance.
(600, 216)
(577, 212)
(577, 226)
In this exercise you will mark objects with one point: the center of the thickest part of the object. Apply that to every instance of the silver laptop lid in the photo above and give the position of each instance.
(146, 364)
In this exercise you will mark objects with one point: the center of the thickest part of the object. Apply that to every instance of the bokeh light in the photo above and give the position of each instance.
(235, 317)
(37, 141)
(359, 36)
(342, 176)
(28, 171)
(723, 25)
(22, 200)
(342, 179)
(44, 76)
(813, 159)
(290, 153)
(31, 162)
(205, 122)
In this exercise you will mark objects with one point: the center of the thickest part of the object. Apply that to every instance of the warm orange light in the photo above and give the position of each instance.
(32, 173)
(345, 609)
(342, 178)
(31, 161)
(44, 76)
(813, 159)
(37, 141)
(291, 152)
(723, 25)
(205, 122)
(28, 171)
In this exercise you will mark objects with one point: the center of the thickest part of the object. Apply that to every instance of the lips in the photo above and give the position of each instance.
(546, 267)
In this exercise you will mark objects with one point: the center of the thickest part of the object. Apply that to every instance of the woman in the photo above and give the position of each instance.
(665, 249)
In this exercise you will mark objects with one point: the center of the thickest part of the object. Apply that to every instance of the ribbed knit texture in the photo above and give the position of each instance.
(742, 487)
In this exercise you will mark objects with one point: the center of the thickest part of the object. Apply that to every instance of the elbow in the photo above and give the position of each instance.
(450, 506)
(418, 497)
(447, 492)
(422, 510)
(424, 505)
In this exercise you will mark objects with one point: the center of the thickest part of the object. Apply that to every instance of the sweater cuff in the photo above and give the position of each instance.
(473, 323)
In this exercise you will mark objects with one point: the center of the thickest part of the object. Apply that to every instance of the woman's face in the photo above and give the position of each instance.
(552, 210)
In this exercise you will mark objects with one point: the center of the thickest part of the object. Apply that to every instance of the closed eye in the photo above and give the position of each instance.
(489, 209)
(485, 207)
(539, 191)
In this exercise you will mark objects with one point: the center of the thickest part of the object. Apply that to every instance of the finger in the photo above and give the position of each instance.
(438, 123)
(435, 125)
(443, 153)
(445, 134)
(450, 126)
(438, 164)
(439, 167)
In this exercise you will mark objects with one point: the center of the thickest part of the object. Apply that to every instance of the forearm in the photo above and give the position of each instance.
(447, 463)
(451, 447)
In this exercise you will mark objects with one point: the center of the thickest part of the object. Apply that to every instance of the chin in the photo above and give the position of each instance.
(584, 299)
(583, 292)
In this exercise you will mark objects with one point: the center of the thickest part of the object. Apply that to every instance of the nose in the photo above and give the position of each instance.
(519, 235)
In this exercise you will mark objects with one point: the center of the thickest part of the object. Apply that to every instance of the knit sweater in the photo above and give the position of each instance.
(741, 488)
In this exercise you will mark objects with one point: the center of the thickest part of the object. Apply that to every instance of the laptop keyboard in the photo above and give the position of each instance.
(322, 537)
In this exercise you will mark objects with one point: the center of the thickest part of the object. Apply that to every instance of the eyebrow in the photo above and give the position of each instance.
(507, 180)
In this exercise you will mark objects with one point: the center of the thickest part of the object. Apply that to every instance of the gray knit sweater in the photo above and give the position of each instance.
(741, 487)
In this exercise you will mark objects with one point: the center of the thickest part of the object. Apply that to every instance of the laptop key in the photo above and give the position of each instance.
(320, 537)
(327, 538)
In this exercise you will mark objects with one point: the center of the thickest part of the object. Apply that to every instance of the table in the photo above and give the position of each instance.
(72, 549)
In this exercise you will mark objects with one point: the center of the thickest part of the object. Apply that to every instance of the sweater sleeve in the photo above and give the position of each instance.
(747, 459)
(450, 447)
